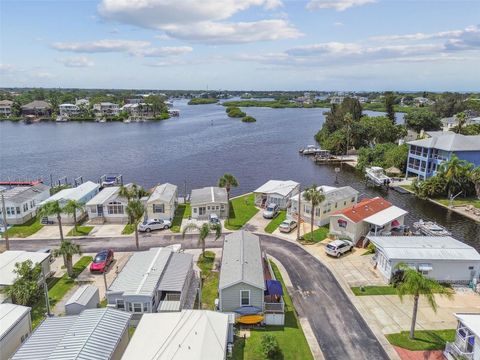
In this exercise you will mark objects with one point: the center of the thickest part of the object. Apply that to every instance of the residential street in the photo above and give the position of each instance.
(340, 330)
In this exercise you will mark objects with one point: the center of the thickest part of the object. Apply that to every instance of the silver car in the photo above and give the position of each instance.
(287, 225)
(154, 224)
(338, 247)
(271, 211)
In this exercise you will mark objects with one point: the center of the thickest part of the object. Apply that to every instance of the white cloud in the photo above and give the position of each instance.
(106, 45)
(77, 61)
(204, 21)
(337, 23)
(339, 5)
(7, 68)
(163, 51)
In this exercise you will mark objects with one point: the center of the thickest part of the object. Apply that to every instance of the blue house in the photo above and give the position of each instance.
(425, 156)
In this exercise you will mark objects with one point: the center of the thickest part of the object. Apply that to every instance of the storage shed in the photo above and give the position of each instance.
(86, 297)
(15, 328)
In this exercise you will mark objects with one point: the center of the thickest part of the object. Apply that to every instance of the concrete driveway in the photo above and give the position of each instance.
(107, 230)
(51, 232)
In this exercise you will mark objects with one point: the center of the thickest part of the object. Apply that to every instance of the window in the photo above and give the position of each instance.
(25, 207)
(145, 307)
(245, 297)
(24, 337)
(223, 206)
(114, 208)
(18, 210)
(217, 207)
(137, 307)
(353, 199)
(342, 223)
(194, 210)
(208, 207)
(158, 208)
(120, 304)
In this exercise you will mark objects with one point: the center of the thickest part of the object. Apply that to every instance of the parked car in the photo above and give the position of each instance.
(338, 247)
(287, 225)
(44, 221)
(271, 211)
(102, 261)
(213, 219)
(154, 224)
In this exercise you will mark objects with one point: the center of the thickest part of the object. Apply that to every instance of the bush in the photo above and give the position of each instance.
(249, 119)
(235, 112)
(270, 347)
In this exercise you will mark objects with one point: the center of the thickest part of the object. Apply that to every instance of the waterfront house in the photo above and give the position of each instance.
(86, 297)
(15, 328)
(106, 109)
(467, 338)
(5, 108)
(336, 100)
(209, 200)
(82, 193)
(185, 335)
(37, 108)
(247, 281)
(67, 110)
(82, 103)
(108, 206)
(442, 258)
(162, 203)
(422, 101)
(376, 216)
(335, 199)
(21, 202)
(9, 258)
(100, 334)
(276, 191)
(138, 111)
(155, 280)
(426, 155)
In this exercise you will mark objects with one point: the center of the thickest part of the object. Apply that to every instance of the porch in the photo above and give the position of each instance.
(463, 346)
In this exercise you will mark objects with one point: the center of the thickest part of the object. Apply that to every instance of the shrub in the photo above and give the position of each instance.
(235, 112)
(249, 119)
(270, 347)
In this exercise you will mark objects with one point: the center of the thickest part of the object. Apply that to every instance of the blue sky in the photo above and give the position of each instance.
(242, 44)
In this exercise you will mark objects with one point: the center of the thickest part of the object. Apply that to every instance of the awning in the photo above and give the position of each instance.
(248, 310)
(385, 216)
(274, 287)
(425, 267)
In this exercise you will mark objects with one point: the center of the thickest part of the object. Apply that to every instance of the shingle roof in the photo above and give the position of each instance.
(6, 103)
(176, 272)
(36, 104)
(83, 295)
(449, 142)
(241, 260)
(10, 314)
(206, 195)
(92, 335)
(163, 192)
(20, 194)
(280, 187)
(364, 209)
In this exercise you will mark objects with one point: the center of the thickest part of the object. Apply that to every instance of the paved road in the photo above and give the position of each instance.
(340, 330)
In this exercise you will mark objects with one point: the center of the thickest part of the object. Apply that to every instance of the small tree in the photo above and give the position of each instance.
(315, 197)
(270, 347)
(203, 232)
(52, 208)
(389, 106)
(67, 249)
(71, 208)
(135, 210)
(415, 284)
(25, 289)
(461, 119)
(228, 181)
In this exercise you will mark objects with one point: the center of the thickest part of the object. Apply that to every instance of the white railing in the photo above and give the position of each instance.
(274, 307)
(452, 349)
(172, 297)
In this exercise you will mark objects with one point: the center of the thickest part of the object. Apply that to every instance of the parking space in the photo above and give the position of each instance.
(107, 230)
(51, 232)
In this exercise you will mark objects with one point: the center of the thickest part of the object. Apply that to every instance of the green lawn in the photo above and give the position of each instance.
(374, 290)
(316, 236)
(81, 231)
(205, 261)
(183, 211)
(407, 187)
(424, 339)
(460, 201)
(128, 229)
(290, 337)
(24, 230)
(242, 209)
(57, 288)
(273, 225)
(209, 280)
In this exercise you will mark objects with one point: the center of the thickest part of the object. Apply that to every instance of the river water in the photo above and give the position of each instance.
(196, 148)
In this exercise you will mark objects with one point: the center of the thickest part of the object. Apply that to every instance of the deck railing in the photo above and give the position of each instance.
(172, 297)
(452, 349)
(274, 307)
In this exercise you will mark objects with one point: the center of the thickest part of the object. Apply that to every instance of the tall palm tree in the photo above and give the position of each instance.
(475, 177)
(67, 249)
(71, 208)
(455, 172)
(415, 284)
(461, 119)
(203, 232)
(52, 208)
(135, 210)
(315, 197)
(132, 191)
(228, 181)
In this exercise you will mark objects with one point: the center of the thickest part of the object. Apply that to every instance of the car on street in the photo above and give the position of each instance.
(338, 247)
(102, 261)
(287, 225)
(213, 220)
(154, 224)
(271, 211)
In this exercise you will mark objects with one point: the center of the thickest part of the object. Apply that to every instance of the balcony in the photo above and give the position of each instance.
(452, 351)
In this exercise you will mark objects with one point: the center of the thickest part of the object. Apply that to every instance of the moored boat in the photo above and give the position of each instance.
(430, 228)
(376, 174)
(310, 150)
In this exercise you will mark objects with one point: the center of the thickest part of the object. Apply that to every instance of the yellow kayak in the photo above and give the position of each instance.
(250, 319)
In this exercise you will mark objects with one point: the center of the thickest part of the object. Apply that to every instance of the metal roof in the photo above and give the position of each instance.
(385, 216)
(10, 315)
(75, 193)
(449, 141)
(241, 260)
(424, 248)
(142, 273)
(207, 195)
(176, 272)
(333, 194)
(104, 195)
(185, 335)
(164, 192)
(20, 194)
(471, 321)
(280, 187)
(83, 295)
(92, 335)
(8, 259)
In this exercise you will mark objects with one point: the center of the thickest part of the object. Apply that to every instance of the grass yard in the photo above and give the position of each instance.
(407, 187)
(459, 202)
(424, 339)
(290, 337)
(57, 288)
(81, 231)
(205, 262)
(242, 209)
(316, 236)
(184, 211)
(374, 290)
(209, 280)
(24, 230)
(128, 229)
(273, 225)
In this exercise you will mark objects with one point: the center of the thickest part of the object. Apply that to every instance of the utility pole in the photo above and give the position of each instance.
(5, 225)
(105, 282)
(298, 213)
(45, 291)
(185, 191)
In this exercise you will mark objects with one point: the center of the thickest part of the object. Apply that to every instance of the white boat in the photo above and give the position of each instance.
(61, 118)
(127, 121)
(376, 174)
(431, 228)
(310, 150)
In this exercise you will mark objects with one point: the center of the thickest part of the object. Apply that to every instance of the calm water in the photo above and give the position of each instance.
(198, 147)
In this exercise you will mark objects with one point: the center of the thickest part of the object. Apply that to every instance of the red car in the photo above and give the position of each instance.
(102, 261)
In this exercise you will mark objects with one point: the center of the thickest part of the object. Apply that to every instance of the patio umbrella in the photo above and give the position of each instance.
(248, 310)
(393, 170)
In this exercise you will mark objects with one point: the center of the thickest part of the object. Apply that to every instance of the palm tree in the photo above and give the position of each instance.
(203, 232)
(475, 177)
(228, 181)
(67, 249)
(415, 284)
(455, 172)
(135, 210)
(72, 207)
(315, 197)
(461, 119)
(52, 208)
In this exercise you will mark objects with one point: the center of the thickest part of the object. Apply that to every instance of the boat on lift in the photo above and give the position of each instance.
(310, 150)
(430, 228)
(377, 176)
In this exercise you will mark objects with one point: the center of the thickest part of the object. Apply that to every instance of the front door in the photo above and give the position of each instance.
(202, 210)
(100, 210)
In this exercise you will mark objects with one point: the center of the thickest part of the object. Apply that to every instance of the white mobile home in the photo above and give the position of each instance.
(209, 200)
(163, 202)
(86, 297)
(15, 328)
(108, 206)
(9, 258)
(21, 202)
(276, 191)
(439, 257)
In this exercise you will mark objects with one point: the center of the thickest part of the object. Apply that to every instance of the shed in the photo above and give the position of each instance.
(15, 328)
(86, 297)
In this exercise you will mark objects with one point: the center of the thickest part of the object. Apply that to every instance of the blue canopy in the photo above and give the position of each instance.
(274, 287)
(248, 310)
